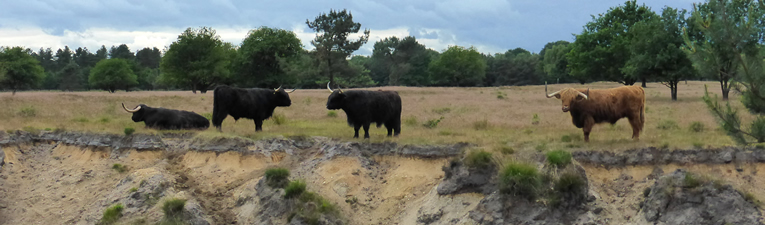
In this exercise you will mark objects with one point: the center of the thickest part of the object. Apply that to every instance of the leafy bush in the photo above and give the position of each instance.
(119, 167)
(294, 189)
(129, 130)
(481, 125)
(478, 159)
(28, 111)
(432, 123)
(279, 119)
(277, 177)
(696, 127)
(520, 180)
(559, 158)
(173, 208)
(667, 125)
(112, 214)
(331, 114)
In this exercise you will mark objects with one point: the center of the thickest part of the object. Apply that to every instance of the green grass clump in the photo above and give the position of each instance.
(570, 183)
(129, 130)
(332, 114)
(559, 158)
(112, 214)
(697, 127)
(311, 207)
(294, 189)
(535, 119)
(698, 145)
(28, 111)
(279, 119)
(667, 125)
(133, 189)
(411, 121)
(119, 168)
(173, 210)
(277, 177)
(691, 181)
(520, 179)
(565, 138)
(207, 115)
(478, 159)
(104, 119)
(433, 123)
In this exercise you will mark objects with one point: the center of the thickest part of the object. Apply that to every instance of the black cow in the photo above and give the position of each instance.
(365, 107)
(167, 119)
(257, 104)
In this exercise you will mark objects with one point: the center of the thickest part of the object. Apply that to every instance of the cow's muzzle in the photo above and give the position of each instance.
(565, 108)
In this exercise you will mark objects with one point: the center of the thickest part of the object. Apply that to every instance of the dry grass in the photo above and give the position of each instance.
(503, 122)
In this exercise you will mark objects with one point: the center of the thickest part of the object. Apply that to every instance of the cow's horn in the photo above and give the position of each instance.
(293, 90)
(277, 89)
(585, 95)
(328, 88)
(550, 95)
(133, 110)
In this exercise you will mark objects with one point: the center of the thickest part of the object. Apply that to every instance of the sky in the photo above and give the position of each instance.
(492, 26)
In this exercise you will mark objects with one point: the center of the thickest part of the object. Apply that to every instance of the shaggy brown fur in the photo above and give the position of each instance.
(590, 107)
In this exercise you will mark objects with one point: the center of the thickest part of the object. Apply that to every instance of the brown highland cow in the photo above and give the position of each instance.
(589, 107)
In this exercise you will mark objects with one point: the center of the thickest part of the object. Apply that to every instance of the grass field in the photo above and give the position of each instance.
(492, 117)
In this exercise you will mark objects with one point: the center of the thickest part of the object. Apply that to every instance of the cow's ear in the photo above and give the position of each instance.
(557, 96)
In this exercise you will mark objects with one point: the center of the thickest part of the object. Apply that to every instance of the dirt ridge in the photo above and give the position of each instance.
(662, 156)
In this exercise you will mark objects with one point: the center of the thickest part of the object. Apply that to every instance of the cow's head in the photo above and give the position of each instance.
(336, 98)
(282, 97)
(568, 96)
(139, 112)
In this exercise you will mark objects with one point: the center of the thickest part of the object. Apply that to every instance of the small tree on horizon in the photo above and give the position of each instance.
(112, 74)
(19, 69)
(331, 42)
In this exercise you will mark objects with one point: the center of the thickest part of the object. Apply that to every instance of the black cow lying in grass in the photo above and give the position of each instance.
(167, 119)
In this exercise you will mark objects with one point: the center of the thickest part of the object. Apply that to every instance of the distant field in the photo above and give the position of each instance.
(490, 117)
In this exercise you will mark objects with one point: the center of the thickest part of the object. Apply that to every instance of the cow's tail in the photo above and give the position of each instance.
(221, 96)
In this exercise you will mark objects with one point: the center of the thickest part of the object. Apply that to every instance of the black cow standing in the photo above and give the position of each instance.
(365, 107)
(167, 119)
(257, 104)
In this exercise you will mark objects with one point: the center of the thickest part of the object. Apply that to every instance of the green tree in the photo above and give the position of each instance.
(121, 52)
(458, 66)
(656, 50)
(332, 44)
(149, 57)
(716, 50)
(112, 74)
(303, 69)
(602, 49)
(514, 67)
(20, 68)
(400, 61)
(742, 24)
(260, 56)
(555, 63)
(71, 77)
(198, 59)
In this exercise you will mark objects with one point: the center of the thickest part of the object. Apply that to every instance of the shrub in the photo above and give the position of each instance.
(411, 121)
(433, 123)
(667, 125)
(119, 167)
(332, 114)
(570, 183)
(520, 180)
(173, 208)
(478, 159)
(294, 189)
(559, 158)
(279, 119)
(112, 214)
(277, 177)
(129, 130)
(481, 125)
(696, 127)
(28, 111)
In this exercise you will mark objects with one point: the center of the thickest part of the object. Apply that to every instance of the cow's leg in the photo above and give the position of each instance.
(217, 119)
(366, 130)
(396, 127)
(589, 122)
(389, 125)
(636, 125)
(356, 128)
(258, 125)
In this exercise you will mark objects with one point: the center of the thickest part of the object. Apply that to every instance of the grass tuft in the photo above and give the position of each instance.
(481, 125)
(277, 177)
(28, 111)
(279, 119)
(691, 181)
(332, 114)
(129, 130)
(119, 168)
(520, 179)
(667, 125)
(173, 208)
(559, 158)
(442, 111)
(696, 126)
(411, 121)
(478, 159)
(294, 189)
(112, 214)
(433, 123)
(535, 119)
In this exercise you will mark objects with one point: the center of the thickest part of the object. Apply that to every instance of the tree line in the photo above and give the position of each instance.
(628, 43)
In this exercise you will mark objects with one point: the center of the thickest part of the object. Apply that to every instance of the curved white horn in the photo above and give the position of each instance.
(549, 95)
(328, 88)
(277, 89)
(293, 90)
(585, 95)
(133, 110)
